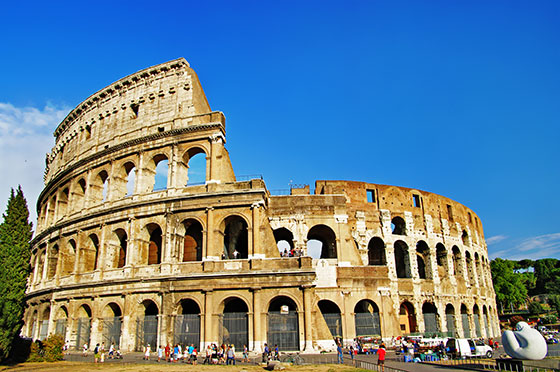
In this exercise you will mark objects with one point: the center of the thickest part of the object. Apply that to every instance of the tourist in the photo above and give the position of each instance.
(339, 352)
(167, 352)
(351, 350)
(112, 350)
(186, 354)
(265, 354)
(147, 351)
(175, 354)
(230, 355)
(84, 350)
(194, 356)
(235, 254)
(159, 353)
(96, 354)
(245, 354)
(102, 352)
(276, 352)
(208, 357)
(381, 357)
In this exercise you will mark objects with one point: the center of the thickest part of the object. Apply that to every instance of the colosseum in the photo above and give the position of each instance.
(146, 236)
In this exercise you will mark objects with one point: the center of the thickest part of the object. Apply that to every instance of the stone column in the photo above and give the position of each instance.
(209, 336)
(258, 337)
(308, 323)
(208, 249)
(348, 326)
(413, 263)
(255, 250)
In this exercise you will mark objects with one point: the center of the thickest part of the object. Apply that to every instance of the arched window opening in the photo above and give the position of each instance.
(398, 226)
(192, 243)
(486, 323)
(68, 258)
(111, 325)
(441, 255)
(284, 241)
(423, 260)
(476, 319)
(236, 242)
(103, 182)
(53, 261)
(84, 327)
(196, 165)
(44, 328)
(62, 208)
(79, 195)
(470, 267)
(478, 267)
(89, 254)
(332, 316)
(465, 321)
(376, 252)
(450, 320)
(187, 324)
(402, 260)
(123, 241)
(367, 319)
(283, 326)
(161, 172)
(235, 323)
(154, 246)
(325, 236)
(40, 266)
(130, 172)
(457, 262)
(147, 325)
(407, 318)
(431, 323)
(465, 238)
(61, 321)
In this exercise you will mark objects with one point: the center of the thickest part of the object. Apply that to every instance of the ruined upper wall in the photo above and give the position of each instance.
(157, 99)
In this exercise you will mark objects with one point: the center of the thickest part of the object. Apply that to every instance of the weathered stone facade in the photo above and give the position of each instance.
(117, 259)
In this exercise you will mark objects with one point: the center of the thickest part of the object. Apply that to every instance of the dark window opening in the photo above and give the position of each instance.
(321, 238)
(371, 196)
(398, 226)
(376, 252)
(236, 244)
(416, 200)
(449, 212)
(134, 107)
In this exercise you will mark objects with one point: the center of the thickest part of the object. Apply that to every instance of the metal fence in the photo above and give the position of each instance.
(367, 324)
(112, 331)
(283, 330)
(431, 323)
(477, 325)
(334, 322)
(235, 329)
(83, 332)
(466, 326)
(187, 329)
(372, 366)
(494, 365)
(146, 332)
(60, 327)
(43, 331)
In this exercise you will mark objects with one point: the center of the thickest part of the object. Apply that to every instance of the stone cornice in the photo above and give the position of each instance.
(116, 87)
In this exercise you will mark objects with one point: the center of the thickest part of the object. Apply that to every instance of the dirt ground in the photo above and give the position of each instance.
(126, 367)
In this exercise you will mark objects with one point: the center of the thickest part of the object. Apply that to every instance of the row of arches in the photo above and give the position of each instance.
(321, 241)
(113, 182)
(399, 227)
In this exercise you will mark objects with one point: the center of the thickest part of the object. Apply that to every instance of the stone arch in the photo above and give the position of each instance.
(52, 261)
(476, 321)
(236, 237)
(486, 322)
(160, 164)
(283, 323)
(40, 264)
(194, 160)
(366, 319)
(407, 318)
(155, 244)
(111, 324)
(187, 322)
(79, 194)
(90, 253)
(423, 258)
(465, 321)
(441, 260)
(450, 320)
(235, 322)
(465, 238)
(83, 331)
(147, 325)
(192, 240)
(284, 240)
(332, 315)
(120, 243)
(457, 262)
(44, 328)
(431, 317)
(62, 204)
(402, 260)
(398, 226)
(34, 319)
(470, 267)
(68, 257)
(376, 252)
(61, 321)
(124, 180)
(99, 186)
(324, 235)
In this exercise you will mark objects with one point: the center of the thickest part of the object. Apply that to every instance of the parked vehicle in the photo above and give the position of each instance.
(464, 347)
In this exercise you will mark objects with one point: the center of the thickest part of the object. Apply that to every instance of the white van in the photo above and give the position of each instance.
(465, 347)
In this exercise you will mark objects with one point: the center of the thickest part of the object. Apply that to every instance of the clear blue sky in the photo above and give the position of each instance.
(460, 98)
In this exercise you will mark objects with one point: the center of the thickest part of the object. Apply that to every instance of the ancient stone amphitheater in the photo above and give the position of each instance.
(136, 245)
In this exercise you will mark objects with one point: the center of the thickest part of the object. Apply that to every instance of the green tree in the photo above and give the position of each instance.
(15, 235)
(544, 271)
(509, 287)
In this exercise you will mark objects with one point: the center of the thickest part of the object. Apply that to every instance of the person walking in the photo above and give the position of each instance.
(159, 353)
(96, 354)
(339, 351)
(147, 352)
(230, 355)
(245, 354)
(102, 352)
(381, 357)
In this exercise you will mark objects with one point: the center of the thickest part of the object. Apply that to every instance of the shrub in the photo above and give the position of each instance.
(53, 346)
(36, 352)
(515, 319)
(535, 307)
